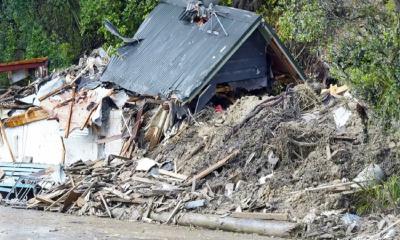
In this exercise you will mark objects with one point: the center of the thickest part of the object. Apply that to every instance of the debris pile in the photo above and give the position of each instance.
(282, 157)
(138, 142)
(101, 116)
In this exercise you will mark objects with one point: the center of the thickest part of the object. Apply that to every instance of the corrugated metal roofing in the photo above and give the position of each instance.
(175, 57)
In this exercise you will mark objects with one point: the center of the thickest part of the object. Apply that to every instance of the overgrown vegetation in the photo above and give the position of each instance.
(64, 29)
(355, 42)
(379, 197)
(367, 56)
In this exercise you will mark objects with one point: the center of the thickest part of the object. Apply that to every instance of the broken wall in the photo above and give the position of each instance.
(39, 141)
(81, 145)
(42, 142)
(111, 132)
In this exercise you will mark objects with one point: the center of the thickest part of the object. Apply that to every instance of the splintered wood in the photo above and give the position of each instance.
(103, 188)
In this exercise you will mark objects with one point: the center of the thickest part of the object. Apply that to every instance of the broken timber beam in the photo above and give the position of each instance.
(71, 106)
(105, 204)
(31, 115)
(214, 167)
(54, 92)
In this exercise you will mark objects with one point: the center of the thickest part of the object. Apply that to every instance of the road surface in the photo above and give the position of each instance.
(16, 224)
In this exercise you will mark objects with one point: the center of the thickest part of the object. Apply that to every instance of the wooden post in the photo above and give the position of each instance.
(71, 106)
(5, 139)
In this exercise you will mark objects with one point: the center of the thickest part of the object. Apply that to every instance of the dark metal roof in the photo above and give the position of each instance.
(175, 57)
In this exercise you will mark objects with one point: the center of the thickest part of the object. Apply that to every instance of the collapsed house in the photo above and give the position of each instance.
(265, 164)
(189, 58)
(179, 59)
(173, 64)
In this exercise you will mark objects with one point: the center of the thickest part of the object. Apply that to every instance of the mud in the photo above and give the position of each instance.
(21, 224)
(286, 146)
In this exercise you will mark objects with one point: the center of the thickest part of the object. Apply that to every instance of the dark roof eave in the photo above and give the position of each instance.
(267, 31)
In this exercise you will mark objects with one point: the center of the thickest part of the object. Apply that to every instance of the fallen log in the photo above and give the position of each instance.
(263, 227)
(262, 216)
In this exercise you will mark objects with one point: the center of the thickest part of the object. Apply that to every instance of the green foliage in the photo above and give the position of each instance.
(64, 29)
(380, 197)
(359, 39)
(3, 80)
(301, 21)
(368, 59)
(37, 29)
(125, 15)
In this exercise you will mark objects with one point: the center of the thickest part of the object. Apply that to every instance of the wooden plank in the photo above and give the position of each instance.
(105, 205)
(174, 212)
(214, 167)
(85, 123)
(44, 199)
(90, 114)
(55, 91)
(172, 174)
(63, 152)
(64, 195)
(31, 115)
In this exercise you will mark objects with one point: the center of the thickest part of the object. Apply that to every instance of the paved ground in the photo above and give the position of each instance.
(16, 224)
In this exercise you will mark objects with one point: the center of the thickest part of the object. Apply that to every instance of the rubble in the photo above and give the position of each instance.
(283, 165)
(268, 162)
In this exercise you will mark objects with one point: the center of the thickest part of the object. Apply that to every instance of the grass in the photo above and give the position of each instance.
(379, 197)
